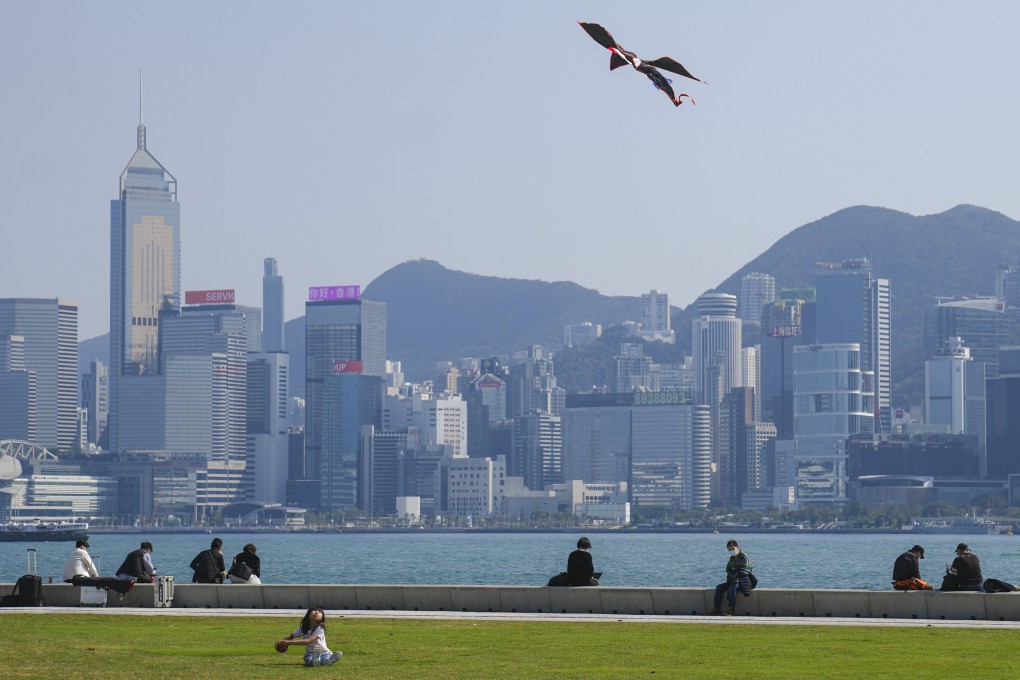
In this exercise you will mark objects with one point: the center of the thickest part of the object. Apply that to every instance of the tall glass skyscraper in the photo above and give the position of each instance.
(145, 280)
(272, 308)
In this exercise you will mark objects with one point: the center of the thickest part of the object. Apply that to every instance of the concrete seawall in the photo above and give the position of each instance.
(543, 600)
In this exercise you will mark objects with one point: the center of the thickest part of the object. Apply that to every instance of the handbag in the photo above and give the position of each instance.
(240, 570)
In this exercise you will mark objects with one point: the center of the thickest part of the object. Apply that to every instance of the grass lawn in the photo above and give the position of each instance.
(164, 647)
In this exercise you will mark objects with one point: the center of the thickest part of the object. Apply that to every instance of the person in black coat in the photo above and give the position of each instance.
(138, 565)
(247, 567)
(208, 564)
(580, 568)
(906, 573)
(966, 569)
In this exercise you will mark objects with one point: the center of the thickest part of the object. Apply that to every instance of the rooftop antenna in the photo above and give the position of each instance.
(141, 127)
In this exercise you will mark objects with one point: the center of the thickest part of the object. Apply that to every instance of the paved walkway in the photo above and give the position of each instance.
(499, 616)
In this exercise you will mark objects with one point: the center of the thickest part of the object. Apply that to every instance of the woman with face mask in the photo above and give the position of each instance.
(738, 577)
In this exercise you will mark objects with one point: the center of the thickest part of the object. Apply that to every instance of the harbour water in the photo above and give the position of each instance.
(794, 560)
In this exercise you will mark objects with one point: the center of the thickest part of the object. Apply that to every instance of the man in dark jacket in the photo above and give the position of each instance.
(138, 565)
(738, 577)
(967, 570)
(906, 574)
(208, 564)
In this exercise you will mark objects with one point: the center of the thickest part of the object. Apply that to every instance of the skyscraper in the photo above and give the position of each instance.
(854, 307)
(954, 393)
(342, 335)
(95, 398)
(145, 281)
(48, 329)
(716, 339)
(655, 322)
(272, 308)
(982, 324)
(756, 291)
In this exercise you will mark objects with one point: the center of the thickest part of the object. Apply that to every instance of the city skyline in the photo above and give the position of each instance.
(353, 166)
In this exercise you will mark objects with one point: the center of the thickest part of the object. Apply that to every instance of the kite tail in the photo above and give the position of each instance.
(683, 94)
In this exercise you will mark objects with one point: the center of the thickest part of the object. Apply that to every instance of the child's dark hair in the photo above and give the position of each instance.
(306, 623)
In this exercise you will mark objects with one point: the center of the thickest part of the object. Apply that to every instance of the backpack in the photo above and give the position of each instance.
(994, 585)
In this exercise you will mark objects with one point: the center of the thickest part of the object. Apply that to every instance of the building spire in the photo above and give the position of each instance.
(141, 127)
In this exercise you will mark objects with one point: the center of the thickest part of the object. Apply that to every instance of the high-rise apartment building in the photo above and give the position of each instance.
(716, 340)
(655, 321)
(48, 329)
(145, 284)
(581, 334)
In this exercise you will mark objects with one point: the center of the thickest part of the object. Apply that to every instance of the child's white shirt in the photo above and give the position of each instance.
(319, 645)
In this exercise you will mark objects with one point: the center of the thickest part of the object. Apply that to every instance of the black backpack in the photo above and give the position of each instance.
(994, 585)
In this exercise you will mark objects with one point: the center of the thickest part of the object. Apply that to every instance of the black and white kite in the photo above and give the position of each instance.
(621, 57)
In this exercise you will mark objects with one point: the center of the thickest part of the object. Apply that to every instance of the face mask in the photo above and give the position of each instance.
(734, 552)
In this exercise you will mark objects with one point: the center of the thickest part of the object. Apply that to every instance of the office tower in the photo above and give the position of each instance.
(655, 322)
(18, 391)
(349, 400)
(440, 420)
(486, 396)
(537, 450)
(854, 307)
(981, 324)
(272, 307)
(585, 333)
(756, 291)
(735, 415)
(716, 340)
(785, 324)
(832, 400)
(954, 393)
(268, 438)
(758, 475)
(750, 371)
(345, 334)
(531, 385)
(204, 355)
(49, 329)
(1003, 411)
(475, 486)
(654, 439)
(145, 282)
(379, 476)
(95, 398)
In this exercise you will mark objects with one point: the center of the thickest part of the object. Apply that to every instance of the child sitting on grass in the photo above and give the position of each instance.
(312, 633)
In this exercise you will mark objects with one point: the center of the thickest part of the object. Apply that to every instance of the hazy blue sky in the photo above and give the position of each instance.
(344, 138)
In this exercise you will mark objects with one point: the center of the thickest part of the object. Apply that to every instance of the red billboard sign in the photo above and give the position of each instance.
(208, 297)
(348, 366)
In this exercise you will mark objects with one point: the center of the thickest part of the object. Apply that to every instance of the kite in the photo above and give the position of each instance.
(621, 57)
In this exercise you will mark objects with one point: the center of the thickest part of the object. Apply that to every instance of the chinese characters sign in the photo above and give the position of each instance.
(334, 293)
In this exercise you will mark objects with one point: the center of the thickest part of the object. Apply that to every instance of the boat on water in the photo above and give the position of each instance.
(958, 525)
(44, 531)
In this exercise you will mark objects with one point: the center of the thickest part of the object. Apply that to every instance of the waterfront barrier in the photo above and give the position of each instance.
(773, 602)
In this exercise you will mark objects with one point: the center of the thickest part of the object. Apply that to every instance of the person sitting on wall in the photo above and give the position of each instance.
(208, 564)
(965, 572)
(138, 565)
(906, 573)
(580, 567)
(247, 567)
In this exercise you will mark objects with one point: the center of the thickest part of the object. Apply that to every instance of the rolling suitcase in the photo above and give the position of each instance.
(92, 596)
(163, 591)
(28, 590)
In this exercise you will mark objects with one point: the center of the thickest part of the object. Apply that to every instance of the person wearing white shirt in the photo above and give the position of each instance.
(79, 564)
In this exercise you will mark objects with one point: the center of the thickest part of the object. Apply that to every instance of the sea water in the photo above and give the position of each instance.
(795, 560)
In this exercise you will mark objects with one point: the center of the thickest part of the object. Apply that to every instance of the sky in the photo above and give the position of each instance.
(343, 138)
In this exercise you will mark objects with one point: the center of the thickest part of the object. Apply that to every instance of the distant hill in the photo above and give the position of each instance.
(438, 314)
(949, 254)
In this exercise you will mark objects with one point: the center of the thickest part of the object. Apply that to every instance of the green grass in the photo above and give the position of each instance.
(165, 647)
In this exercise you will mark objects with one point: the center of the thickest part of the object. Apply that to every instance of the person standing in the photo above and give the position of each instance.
(906, 574)
(247, 567)
(738, 577)
(208, 564)
(79, 564)
(580, 567)
(967, 570)
(138, 565)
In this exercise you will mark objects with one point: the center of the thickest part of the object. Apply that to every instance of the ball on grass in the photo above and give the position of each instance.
(281, 646)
